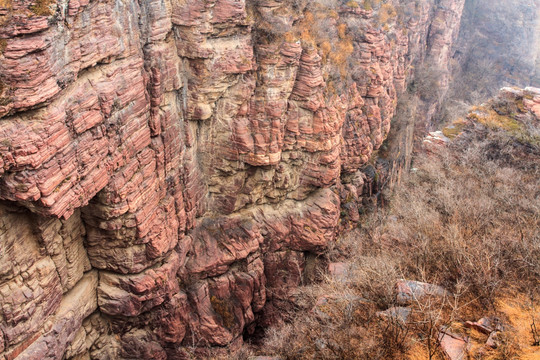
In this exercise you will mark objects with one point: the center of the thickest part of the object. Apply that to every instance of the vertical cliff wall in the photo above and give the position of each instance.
(428, 84)
(495, 45)
(167, 167)
(498, 46)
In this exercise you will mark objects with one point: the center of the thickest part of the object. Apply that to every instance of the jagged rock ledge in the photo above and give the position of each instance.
(168, 167)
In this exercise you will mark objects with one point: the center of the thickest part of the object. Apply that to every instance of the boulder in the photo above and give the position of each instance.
(454, 347)
(409, 291)
(486, 325)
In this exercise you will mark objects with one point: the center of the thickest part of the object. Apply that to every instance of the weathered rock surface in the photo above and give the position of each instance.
(410, 291)
(166, 167)
(486, 325)
(66, 325)
(454, 347)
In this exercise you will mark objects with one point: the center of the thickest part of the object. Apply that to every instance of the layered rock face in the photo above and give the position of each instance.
(168, 167)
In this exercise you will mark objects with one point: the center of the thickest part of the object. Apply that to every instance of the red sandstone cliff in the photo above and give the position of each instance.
(167, 166)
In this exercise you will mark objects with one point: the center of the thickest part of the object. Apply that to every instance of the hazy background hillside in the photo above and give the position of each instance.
(498, 45)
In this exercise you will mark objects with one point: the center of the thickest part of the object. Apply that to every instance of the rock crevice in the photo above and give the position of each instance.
(167, 167)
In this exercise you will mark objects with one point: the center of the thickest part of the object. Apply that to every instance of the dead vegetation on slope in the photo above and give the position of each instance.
(467, 220)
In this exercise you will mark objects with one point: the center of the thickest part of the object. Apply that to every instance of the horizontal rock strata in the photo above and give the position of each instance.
(167, 168)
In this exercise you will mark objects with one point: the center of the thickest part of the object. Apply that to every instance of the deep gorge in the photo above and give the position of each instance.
(169, 168)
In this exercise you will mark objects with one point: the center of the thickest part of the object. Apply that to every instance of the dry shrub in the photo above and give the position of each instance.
(378, 274)
(467, 218)
(470, 215)
(43, 7)
(6, 4)
(341, 325)
(367, 5)
(387, 13)
(339, 317)
(317, 30)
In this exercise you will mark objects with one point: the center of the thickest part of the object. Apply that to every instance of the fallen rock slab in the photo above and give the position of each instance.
(408, 291)
(486, 325)
(454, 347)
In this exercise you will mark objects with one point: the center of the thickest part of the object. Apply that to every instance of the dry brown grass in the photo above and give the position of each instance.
(467, 219)
(333, 41)
(6, 4)
(43, 7)
(387, 13)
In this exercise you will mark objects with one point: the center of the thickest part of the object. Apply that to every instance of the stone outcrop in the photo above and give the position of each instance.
(168, 167)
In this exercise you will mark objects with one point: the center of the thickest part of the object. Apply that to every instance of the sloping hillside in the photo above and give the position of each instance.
(451, 266)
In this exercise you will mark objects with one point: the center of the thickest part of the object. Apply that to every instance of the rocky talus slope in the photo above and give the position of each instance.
(168, 167)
